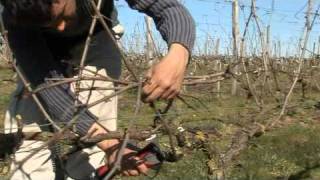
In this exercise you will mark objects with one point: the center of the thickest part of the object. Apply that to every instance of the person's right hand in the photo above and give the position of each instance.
(131, 165)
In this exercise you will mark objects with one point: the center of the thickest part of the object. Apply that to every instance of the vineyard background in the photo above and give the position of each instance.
(252, 101)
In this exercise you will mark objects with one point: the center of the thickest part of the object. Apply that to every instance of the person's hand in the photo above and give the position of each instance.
(164, 80)
(131, 165)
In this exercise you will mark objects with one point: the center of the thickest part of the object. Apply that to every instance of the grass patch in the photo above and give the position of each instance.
(6, 88)
(291, 153)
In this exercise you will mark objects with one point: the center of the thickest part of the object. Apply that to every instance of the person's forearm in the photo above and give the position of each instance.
(180, 51)
(60, 101)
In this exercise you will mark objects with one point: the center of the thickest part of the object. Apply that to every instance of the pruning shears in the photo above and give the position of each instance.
(151, 155)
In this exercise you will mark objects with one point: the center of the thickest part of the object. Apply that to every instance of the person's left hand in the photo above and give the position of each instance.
(165, 78)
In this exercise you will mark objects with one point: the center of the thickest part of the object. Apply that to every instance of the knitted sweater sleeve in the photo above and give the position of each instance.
(172, 19)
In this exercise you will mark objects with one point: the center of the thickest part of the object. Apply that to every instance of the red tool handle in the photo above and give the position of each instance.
(151, 155)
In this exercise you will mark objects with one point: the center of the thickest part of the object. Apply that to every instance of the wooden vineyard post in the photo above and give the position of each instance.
(219, 65)
(235, 37)
(149, 50)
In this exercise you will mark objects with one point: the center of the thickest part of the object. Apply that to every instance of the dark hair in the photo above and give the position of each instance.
(26, 12)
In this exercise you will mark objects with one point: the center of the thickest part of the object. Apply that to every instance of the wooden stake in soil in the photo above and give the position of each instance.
(235, 37)
(149, 53)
